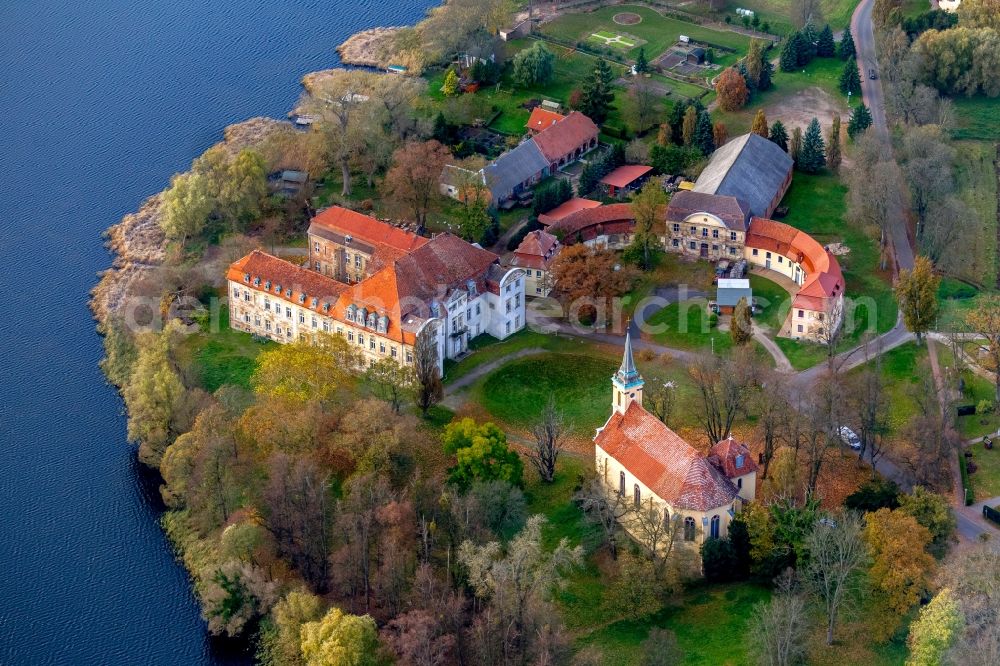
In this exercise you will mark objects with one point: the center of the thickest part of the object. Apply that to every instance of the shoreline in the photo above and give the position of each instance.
(373, 47)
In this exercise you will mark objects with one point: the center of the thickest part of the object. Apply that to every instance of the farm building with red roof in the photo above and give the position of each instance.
(535, 255)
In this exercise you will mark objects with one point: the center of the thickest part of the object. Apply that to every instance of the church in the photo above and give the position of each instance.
(638, 456)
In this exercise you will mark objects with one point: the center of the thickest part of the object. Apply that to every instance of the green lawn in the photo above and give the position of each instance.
(985, 481)
(777, 12)
(773, 301)
(977, 178)
(659, 31)
(903, 369)
(977, 118)
(710, 626)
(488, 349)
(686, 325)
(225, 357)
(516, 393)
(977, 389)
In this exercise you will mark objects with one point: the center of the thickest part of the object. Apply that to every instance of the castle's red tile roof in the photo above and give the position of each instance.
(542, 119)
(567, 208)
(725, 455)
(366, 229)
(561, 139)
(587, 223)
(402, 290)
(824, 279)
(663, 461)
(626, 174)
(267, 274)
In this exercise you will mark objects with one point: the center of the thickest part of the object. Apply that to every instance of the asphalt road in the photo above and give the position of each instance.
(874, 99)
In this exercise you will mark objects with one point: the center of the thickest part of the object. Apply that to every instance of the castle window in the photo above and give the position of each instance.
(666, 517)
(621, 483)
(755, 252)
(689, 529)
(739, 483)
(740, 459)
(714, 529)
(637, 496)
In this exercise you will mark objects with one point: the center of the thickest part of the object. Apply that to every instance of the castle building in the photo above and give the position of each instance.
(641, 458)
(535, 255)
(396, 291)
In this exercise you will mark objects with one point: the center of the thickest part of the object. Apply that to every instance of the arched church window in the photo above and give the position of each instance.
(689, 529)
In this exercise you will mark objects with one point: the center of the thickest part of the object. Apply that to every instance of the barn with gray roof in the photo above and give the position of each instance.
(750, 168)
(515, 170)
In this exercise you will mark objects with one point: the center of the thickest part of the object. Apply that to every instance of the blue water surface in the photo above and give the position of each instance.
(100, 102)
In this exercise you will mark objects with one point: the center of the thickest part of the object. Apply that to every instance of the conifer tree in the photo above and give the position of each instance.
(720, 134)
(689, 126)
(450, 85)
(850, 79)
(812, 156)
(703, 138)
(766, 72)
(795, 145)
(641, 64)
(755, 63)
(778, 135)
(759, 123)
(846, 48)
(807, 47)
(741, 325)
(789, 60)
(833, 144)
(597, 95)
(861, 119)
(826, 47)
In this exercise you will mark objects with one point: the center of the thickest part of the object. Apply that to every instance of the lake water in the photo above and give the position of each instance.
(100, 102)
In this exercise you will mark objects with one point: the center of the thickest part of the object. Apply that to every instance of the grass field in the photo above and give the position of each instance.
(977, 118)
(488, 349)
(226, 357)
(517, 392)
(616, 40)
(976, 175)
(773, 300)
(659, 31)
(687, 326)
(777, 12)
(816, 205)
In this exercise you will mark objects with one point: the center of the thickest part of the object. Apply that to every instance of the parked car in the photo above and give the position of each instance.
(850, 438)
(872, 75)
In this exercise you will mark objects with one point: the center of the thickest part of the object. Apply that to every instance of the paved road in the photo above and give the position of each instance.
(874, 99)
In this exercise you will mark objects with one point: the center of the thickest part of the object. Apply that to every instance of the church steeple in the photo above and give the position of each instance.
(627, 383)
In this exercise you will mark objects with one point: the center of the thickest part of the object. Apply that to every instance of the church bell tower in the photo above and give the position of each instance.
(627, 383)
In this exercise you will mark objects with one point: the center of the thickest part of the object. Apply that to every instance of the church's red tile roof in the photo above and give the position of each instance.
(663, 461)
(727, 453)
(570, 133)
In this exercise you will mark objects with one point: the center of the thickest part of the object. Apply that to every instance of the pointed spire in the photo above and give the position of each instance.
(627, 374)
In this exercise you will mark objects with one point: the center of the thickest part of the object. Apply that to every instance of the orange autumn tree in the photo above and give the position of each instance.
(731, 89)
(901, 568)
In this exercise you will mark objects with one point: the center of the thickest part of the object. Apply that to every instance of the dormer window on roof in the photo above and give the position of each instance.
(302, 297)
(267, 285)
(256, 282)
(314, 302)
(246, 277)
(372, 320)
(351, 309)
(383, 324)
(348, 238)
(326, 307)
(740, 459)
(470, 285)
(277, 289)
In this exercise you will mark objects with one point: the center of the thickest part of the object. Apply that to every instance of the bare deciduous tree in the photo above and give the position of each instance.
(870, 405)
(836, 556)
(549, 433)
(425, 366)
(720, 394)
(604, 507)
(777, 630)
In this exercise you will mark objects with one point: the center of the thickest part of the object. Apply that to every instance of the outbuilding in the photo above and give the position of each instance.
(730, 292)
